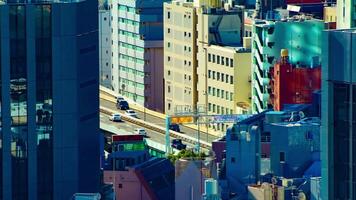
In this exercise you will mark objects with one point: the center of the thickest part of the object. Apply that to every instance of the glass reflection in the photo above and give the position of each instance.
(18, 101)
(44, 118)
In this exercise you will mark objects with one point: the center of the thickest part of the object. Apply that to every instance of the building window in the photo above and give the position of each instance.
(168, 44)
(169, 89)
(213, 58)
(222, 60)
(120, 185)
(209, 57)
(209, 106)
(218, 92)
(169, 72)
(231, 62)
(213, 91)
(227, 78)
(218, 59)
(209, 73)
(222, 93)
(222, 77)
(231, 80)
(227, 62)
(214, 107)
(190, 63)
(282, 156)
(169, 30)
(231, 96)
(214, 75)
(218, 109)
(209, 90)
(169, 58)
(218, 76)
(168, 15)
(222, 110)
(227, 96)
(169, 106)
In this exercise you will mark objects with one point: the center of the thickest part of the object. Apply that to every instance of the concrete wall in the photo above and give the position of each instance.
(126, 185)
(105, 75)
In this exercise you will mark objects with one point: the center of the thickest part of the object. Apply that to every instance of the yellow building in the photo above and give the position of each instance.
(330, 14)
(228, 81)
(180, 52)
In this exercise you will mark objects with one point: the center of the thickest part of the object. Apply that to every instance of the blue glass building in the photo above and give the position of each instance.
(339, 115)
(49, 99)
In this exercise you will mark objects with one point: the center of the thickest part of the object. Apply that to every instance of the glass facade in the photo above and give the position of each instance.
(18, 101)
(344, 138)
(44, 122)
(1, 161)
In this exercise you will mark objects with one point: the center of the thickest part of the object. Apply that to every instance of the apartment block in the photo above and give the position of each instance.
(137, 51)
(301, 37)
(180, 51)
(228, 85)
(220, 27)
(346, 14)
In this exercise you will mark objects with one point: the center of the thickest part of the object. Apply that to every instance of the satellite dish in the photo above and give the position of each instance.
(301, 115)
(302, 196)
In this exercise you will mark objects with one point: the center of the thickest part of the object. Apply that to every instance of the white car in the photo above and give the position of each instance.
(131, 113)
(115, 117)
(140, 131)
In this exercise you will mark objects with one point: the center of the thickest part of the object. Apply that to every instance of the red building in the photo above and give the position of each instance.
(292, 85)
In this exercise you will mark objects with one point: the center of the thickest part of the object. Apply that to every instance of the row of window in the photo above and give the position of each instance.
(132, 83)
(132, 71)
(129, 34)
(221, 93)
(185, 15)
(219, 109)
(130, 46)
(133, 59)
(186, 34)
(186, 91)
(186, 77)
(129, 21)
(220, 77)
(229, 62)
(127, 9)
(186, 63)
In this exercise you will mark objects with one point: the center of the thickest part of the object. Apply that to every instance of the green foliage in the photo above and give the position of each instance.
(190, 154)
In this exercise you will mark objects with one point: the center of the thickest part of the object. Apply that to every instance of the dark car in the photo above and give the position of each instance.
(122, 105)
(177, 143)
(174, 127)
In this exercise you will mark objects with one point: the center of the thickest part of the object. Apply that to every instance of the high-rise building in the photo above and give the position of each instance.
(137, 51)
(180, 51)
(49, 99)
(346, 14)
(303, 40)
(339, 115)
(105, 53)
